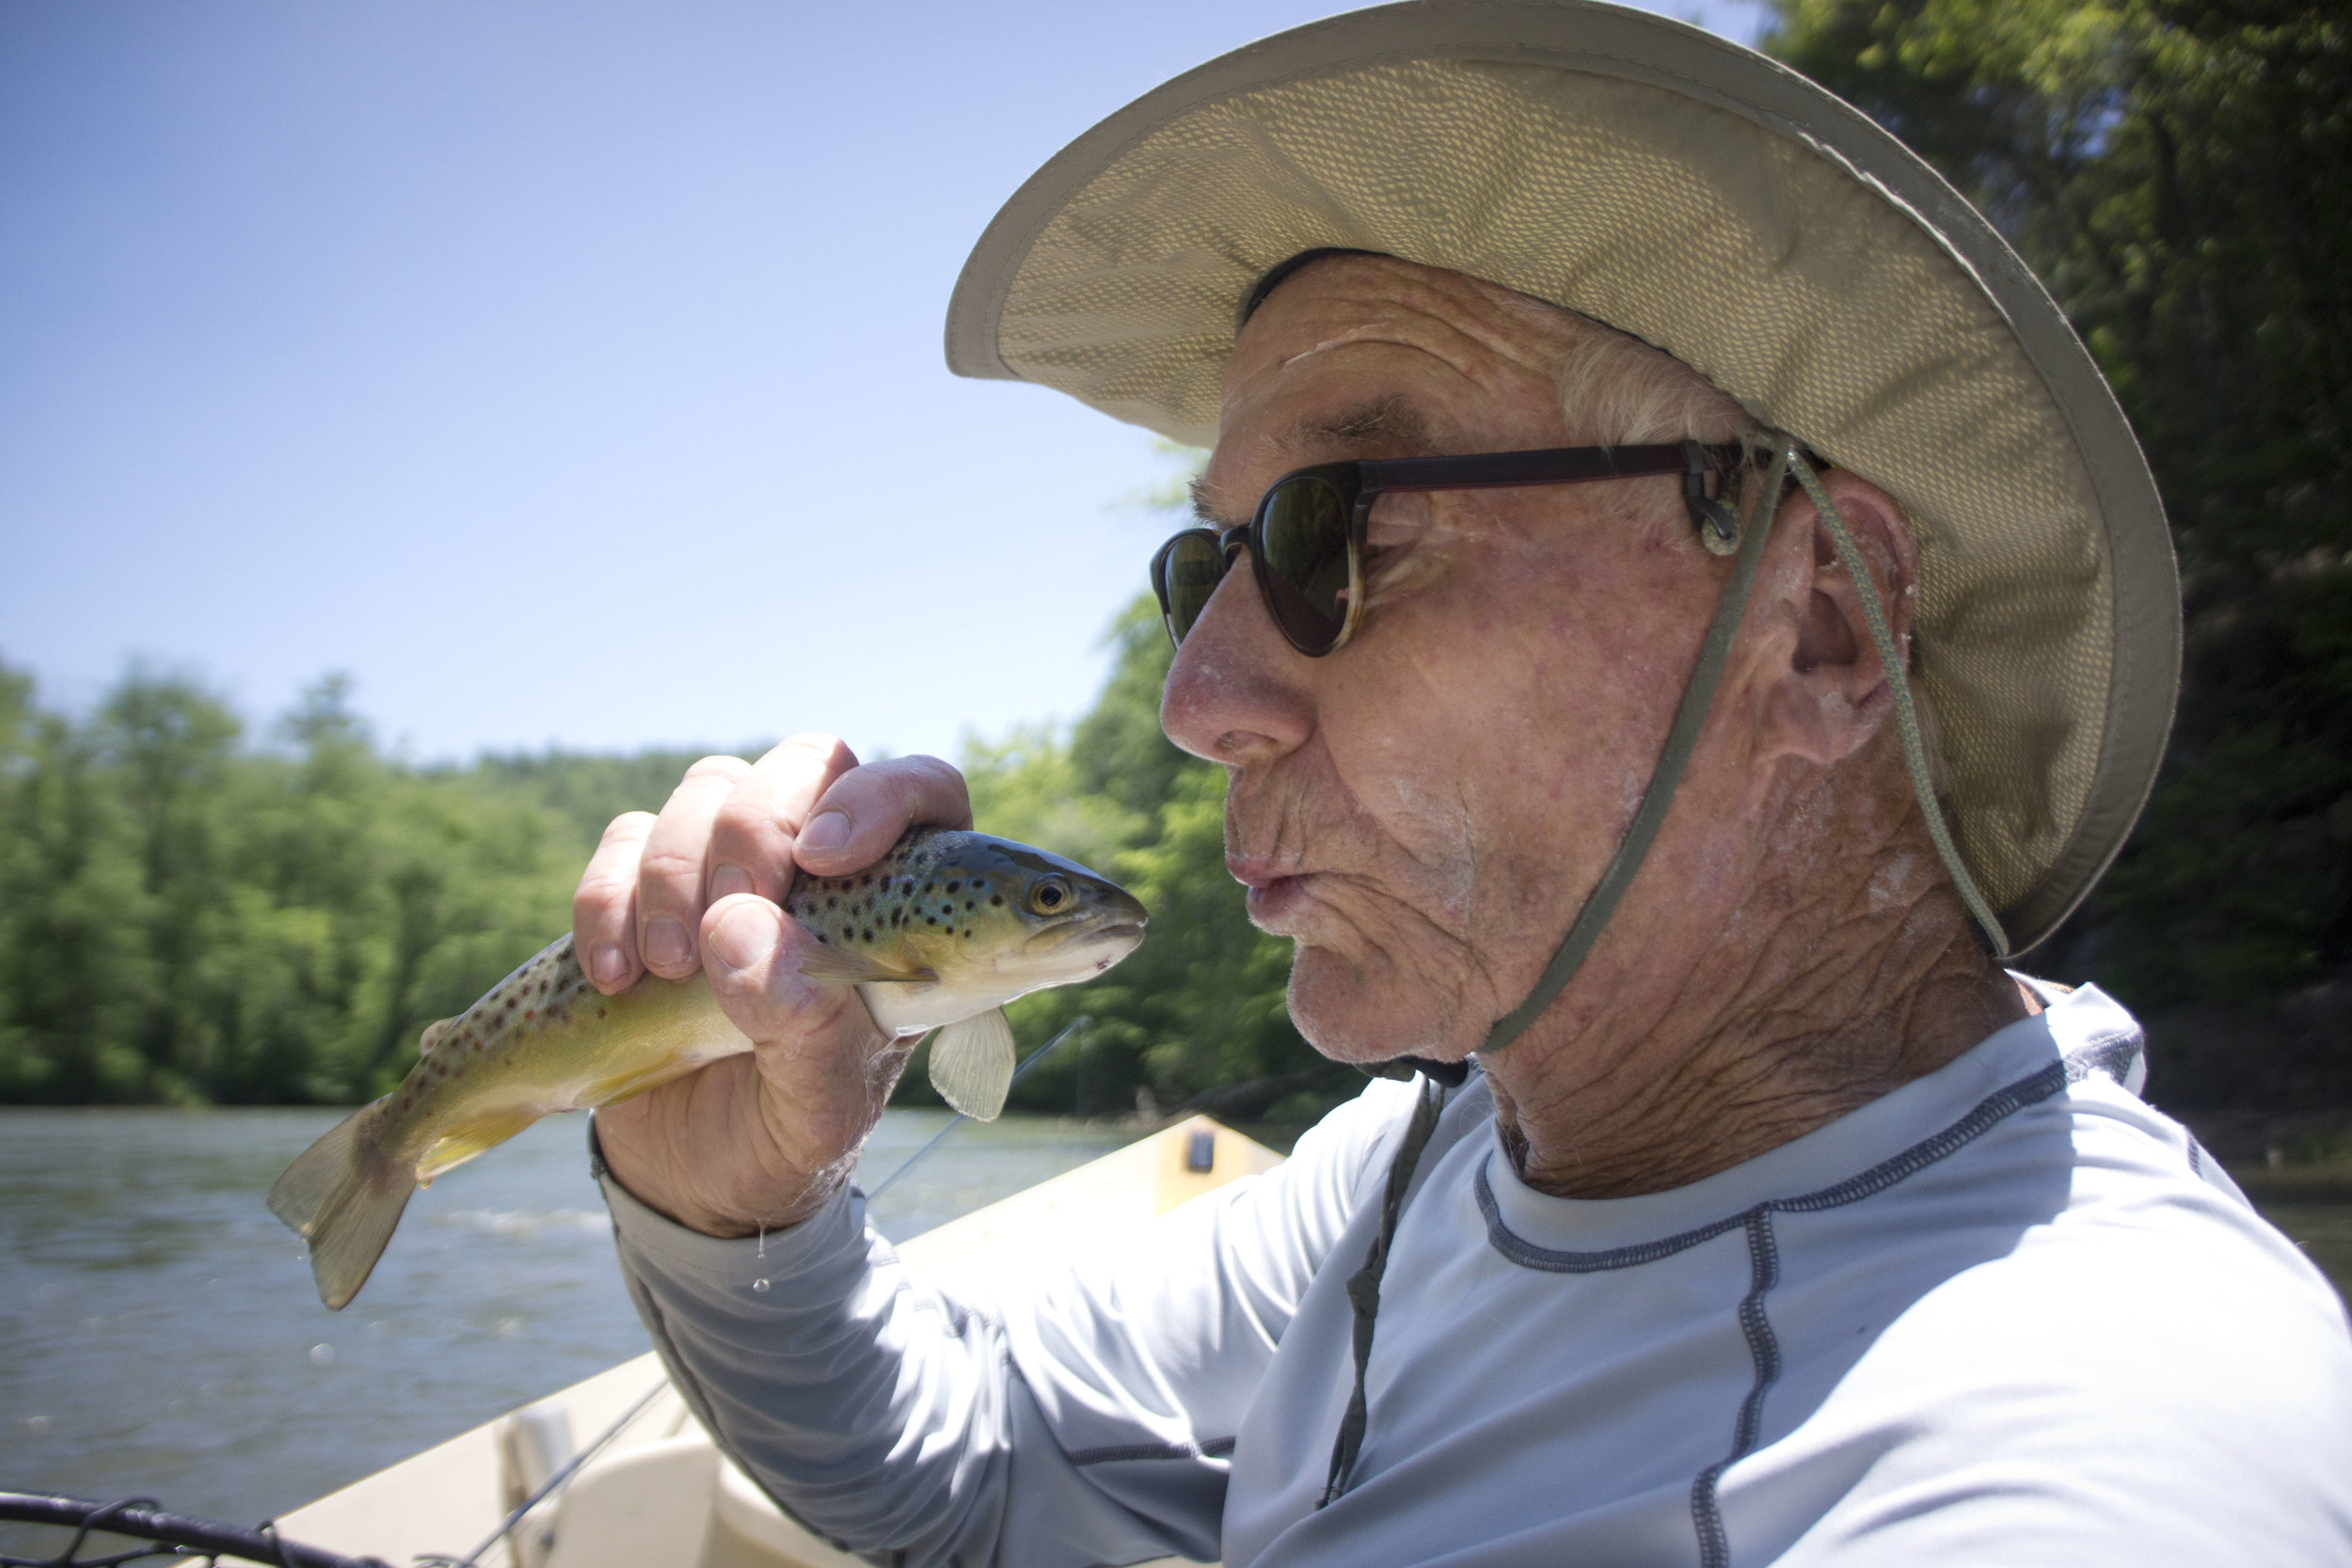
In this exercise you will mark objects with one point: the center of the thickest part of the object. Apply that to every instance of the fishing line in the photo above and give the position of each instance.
(570, 1466)
(1034, 1057)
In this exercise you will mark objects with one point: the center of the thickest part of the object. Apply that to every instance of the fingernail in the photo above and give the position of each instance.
(827, 830)
(743, 934)
(666, 944)
(729, 880)
(606, 966)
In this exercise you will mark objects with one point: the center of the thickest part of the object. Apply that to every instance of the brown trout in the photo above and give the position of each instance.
(940, 933)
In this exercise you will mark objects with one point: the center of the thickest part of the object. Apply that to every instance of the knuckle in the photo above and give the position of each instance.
(814, 743)
(934, 772)
(629, 825)
(598, 895)
(744, 817)
(717, 768)
(669, 863)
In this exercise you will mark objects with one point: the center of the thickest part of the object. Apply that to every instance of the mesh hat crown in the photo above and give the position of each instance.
(1716, 205)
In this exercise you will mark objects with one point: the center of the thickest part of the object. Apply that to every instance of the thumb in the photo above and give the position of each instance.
(752, 954)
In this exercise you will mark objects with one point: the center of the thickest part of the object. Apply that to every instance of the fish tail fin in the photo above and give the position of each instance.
(344, 1197)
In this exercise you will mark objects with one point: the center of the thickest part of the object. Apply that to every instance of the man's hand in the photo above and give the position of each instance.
(762, 1139)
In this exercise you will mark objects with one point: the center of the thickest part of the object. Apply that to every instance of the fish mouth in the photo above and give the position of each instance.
(1100, 941)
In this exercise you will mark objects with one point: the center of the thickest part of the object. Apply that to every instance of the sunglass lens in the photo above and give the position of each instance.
(1304, 570)
(1189, 570)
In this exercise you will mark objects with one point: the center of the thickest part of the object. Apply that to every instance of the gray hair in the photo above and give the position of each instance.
(1618, 390)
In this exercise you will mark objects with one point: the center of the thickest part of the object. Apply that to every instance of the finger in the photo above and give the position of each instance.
(751, 839)
(670, 870)
(604, 905)
(754, 951)
(866, 810)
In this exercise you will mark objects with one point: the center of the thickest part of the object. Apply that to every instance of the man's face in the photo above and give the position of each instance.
(1424, 810)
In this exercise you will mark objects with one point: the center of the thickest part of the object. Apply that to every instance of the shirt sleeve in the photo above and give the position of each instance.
(1084, 1420)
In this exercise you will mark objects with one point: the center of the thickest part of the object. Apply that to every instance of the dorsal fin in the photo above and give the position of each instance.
(432, 1036)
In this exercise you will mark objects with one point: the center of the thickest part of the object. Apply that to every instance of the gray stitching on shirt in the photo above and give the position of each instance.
(1764, 1259)
(1707, 1516)
(1988, 1113)
(2112, 1054)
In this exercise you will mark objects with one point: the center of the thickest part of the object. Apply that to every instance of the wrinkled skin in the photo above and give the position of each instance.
(1422, 812)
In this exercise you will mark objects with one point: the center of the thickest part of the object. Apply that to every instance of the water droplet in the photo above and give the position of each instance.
(322, 1354)
(763, 1243)
(759, 1287)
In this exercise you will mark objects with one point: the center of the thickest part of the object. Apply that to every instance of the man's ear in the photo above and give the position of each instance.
(1828, 696)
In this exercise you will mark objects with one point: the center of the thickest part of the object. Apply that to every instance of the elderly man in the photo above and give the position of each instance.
(1743, 1207)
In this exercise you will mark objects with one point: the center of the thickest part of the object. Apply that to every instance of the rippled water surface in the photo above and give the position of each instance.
(160, 1335)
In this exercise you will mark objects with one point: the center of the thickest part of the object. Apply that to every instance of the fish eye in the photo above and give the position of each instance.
(1052, 895)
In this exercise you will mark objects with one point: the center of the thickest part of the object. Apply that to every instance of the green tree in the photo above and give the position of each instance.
(186, 916)
(2180, 173)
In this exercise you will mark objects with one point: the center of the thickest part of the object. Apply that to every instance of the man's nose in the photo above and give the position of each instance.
(1237, 690)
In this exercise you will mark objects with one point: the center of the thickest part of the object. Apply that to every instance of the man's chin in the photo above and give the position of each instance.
(1357, 1016)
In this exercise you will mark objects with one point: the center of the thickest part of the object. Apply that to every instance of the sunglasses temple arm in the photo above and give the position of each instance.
(1563, 466)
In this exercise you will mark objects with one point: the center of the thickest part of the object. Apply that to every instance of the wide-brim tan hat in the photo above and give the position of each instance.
(1719, 206)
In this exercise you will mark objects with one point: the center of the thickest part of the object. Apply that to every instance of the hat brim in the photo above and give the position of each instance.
(1719, 206)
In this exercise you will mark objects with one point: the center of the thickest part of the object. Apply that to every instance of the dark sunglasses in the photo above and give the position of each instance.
(1306, 541)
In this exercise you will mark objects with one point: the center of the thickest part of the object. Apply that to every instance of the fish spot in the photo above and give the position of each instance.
(820, 936)
(997, 902)
(955, 887)
(869, 936)
(969, 904)
(599, 1012)
(927, 886)
(930, 919)
(967, 932)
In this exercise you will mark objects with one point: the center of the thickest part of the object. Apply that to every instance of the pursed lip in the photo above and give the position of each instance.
(1277, 891)
(1253, 871)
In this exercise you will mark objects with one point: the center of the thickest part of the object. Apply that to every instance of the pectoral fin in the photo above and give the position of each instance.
(972, 1063)
(845, 967)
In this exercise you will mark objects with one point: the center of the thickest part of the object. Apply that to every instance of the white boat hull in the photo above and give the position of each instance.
(659, 1495)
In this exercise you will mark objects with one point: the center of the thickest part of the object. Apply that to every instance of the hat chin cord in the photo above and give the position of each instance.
(1682, 737)
(1722, 534)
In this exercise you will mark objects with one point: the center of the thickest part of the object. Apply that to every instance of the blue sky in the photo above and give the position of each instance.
(563, 372)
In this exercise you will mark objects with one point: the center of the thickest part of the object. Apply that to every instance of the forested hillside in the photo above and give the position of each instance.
(186, 916)
(190, 914)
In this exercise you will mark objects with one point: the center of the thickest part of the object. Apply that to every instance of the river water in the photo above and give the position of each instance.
(160, 1336)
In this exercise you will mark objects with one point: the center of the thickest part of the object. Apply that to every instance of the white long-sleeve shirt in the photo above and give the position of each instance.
(2006, 1314)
